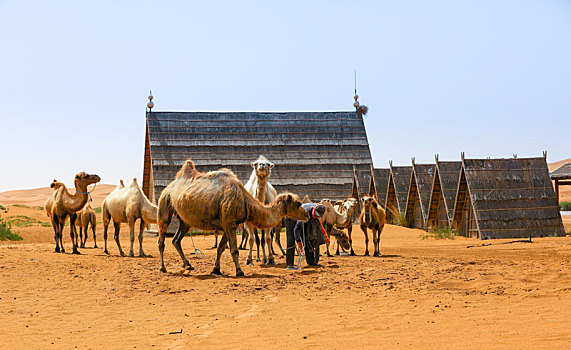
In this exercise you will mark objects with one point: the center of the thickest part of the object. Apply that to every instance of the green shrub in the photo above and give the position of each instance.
(6, 232)
(25, 221)
(439, 233)
(565, 206)
(97, 210)
(398, 217)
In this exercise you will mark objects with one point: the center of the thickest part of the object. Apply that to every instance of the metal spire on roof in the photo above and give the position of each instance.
(150, 104)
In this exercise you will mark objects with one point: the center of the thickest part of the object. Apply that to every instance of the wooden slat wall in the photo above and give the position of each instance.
(401, 181)
(313, 152)
(382, 184)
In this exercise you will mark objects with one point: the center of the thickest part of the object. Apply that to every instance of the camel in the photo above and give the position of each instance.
(372, 217)
(332, 218)
(217, 200)
(62, 204)
(349, 207)
(259, 186)
(127, 204)
(85, 218)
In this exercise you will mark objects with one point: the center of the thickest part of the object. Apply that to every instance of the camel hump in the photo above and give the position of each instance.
(134, 182)
(187, 170)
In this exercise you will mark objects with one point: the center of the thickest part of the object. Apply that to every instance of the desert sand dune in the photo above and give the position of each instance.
(38, 196)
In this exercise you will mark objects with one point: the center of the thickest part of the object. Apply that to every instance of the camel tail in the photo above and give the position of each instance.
(105, 215)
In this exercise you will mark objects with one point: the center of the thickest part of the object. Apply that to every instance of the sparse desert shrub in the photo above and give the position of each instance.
(439, 233)
(398, 218)
(566, 206)
(6, 232)
(97, 210)
(25, 221)
(3, 208)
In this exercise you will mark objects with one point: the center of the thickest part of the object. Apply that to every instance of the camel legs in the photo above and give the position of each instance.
(106, 219)
(55, 225)
(219, 251)
(251, 234)
(349, 231)
(141, 229)
(229, 237)
(328, 229)
(132, 235)
(183, 229)
(364, 228)
(117, 226)
(94, 237)
(163, 226)
(60, 233)
(377, 241)
(244, 238)
(216, 239)
(277, 232)
(73, 233)
(270, 260)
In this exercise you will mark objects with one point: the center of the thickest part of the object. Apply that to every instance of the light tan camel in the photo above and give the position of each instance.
(261, 189)
(332, 218)
(85, 218)
(127, 204)
(349, 207)
(62, 204)
(372, 217)
(217, 200)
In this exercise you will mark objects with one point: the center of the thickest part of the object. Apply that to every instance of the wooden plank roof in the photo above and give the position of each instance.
(562, 173)
(381, 184)
(401, 180)
(313, 152)
(512, 198)
(424, 176)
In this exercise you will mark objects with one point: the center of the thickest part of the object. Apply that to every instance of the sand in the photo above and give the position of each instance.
(422, 293)
(38, 196)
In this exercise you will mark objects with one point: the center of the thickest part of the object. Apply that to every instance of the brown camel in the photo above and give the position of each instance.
(332, 218)
(217, 200)
(62, 204)
(127, 204)
(85, 218)
(372, 217)
(349, 207)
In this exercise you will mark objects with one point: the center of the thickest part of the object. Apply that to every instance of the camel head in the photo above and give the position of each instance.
(84, 179)
(368, 203)
(262, 166)
(342, 237)
(350, 206)
(291, 206)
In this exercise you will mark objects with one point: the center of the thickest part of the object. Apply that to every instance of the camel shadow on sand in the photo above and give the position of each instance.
(204, 277)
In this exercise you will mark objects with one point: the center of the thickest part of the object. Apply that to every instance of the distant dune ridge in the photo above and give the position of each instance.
(37, 196)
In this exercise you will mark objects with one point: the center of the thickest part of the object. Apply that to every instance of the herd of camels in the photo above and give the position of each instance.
(215, 201)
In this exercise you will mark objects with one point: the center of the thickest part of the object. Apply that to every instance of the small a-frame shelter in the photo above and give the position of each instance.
(381, 177)
(506, 198)
(444, 189)
(397, 190)
(419, 190)
(561, 177)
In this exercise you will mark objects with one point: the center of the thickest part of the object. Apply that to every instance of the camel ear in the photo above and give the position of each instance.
(53, 184)
(253, 164)
(271, 165)
(289, 198)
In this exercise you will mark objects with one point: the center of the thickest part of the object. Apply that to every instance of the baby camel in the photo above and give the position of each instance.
(127, 204)
(85, 218)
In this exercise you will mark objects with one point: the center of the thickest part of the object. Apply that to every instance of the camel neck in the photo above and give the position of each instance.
(261, 189)
(262, 216)
(75, 202)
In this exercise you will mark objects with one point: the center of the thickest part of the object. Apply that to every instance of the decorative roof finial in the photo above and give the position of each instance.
(360, 109)
(150, 104)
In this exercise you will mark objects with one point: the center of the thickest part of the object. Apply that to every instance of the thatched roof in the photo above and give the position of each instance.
(511, 198)
(423, 175)
(448, 174)
(400, 176)
(313, 152)
(562, 173)
(381, 184)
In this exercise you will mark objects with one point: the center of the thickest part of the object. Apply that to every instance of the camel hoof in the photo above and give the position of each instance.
(106, 251)
(57, 250)
(122, 254)
(377, 254)
(163, 269)
(76, 252)
(216, 272)
(366, 253)
(62, 250)
(189, 268)
(82, 246)
(95, 246)
(329, 255)
(271, 262)
(131, 254)
(239, 273)
(353, 253)
(249, 262)
(142, 255)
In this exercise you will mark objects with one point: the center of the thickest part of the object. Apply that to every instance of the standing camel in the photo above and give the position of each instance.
(332, 218)
(85, 218)
(260, 188)
(217, 200)
(62, 204)
(349, 207)
(372, 217)
(127, 204)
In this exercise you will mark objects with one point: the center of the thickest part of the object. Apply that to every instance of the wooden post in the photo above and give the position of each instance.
(557, 191)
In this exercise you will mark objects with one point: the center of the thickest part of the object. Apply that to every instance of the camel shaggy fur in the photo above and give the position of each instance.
(349, 207)
(217, 200)
(372, 217)
(85, 218)
(62, 204)
(127, 204)
(332, 218)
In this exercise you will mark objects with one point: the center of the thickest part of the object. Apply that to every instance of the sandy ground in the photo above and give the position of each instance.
(419, 294)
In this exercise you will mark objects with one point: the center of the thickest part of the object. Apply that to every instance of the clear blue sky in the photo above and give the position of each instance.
(490, 78)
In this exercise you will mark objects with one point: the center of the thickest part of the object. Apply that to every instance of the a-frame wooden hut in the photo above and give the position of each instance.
(506, 198)
(381, 177)
(561, 177)
(397, 190)
(313, 152)
(418, 198)
(444, 189)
